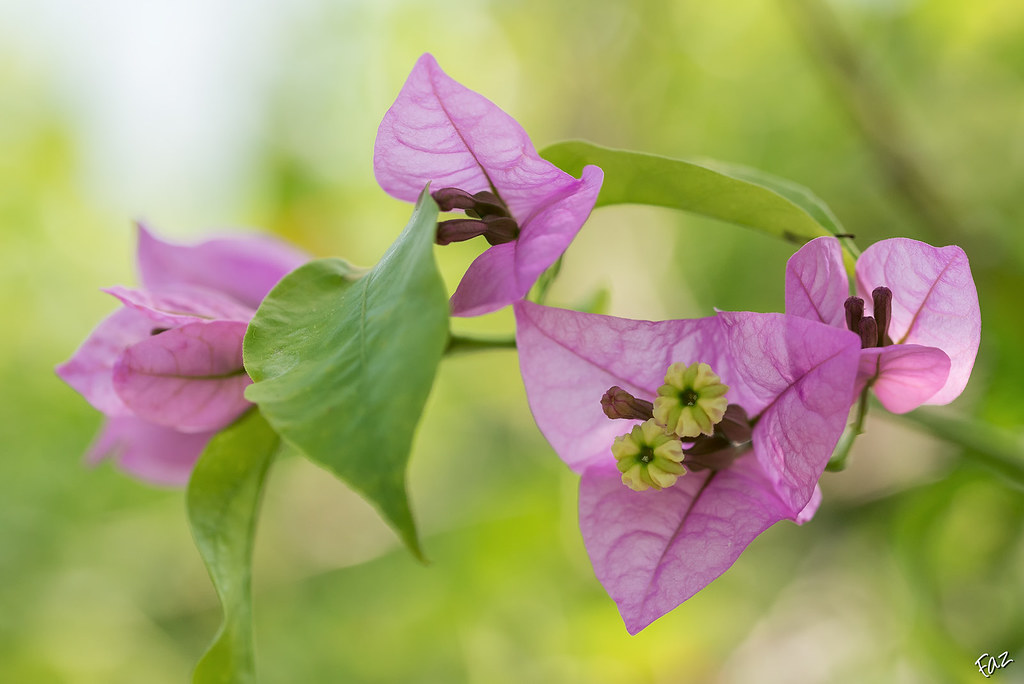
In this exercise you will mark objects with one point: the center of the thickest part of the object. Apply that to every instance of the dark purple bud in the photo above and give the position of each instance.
(712, 453)
(459, 230)
(618, 403)
(882, 301)
(453, 198)
(704, 444)
(486, 196)
(495, 229)
(854, 312)
(735, 425)
(489, 204)
(488, 216)
(868, 332)
(479, 205)
(500, 229)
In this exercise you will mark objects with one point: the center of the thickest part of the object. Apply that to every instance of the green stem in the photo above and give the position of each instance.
(540, 289)
(998, 450)
(462, 344)
(842, 450)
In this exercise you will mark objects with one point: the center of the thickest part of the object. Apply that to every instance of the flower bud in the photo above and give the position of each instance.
(854, 312)
(453, 198)
(618, 403)
(868, 332)
(881, 298)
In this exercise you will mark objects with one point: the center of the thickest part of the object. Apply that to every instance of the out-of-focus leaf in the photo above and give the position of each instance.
(223, 499)
(343, 366)
(794, 192)
(736, 194)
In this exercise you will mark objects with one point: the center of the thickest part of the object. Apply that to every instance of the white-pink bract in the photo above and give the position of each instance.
(440, 132)
(166, 369)
(652, 550)
(936, 320)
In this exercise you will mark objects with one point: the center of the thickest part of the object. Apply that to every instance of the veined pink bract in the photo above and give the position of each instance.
(166, 369)
(931, 326)
(652, 550)
(441, 133)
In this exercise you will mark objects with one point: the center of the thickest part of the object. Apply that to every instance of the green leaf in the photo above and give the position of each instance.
(223, 499)
(736, 194)
(343, 365)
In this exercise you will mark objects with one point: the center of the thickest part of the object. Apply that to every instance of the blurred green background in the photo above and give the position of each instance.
(906, 116)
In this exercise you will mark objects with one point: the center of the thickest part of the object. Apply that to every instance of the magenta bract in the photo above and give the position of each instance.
(440, 132)
(935, 326)
(166, 369)
(652, 550)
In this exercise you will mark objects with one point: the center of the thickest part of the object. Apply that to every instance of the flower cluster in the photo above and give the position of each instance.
(732, 418)
(652, 549)
(166, 368)
(478, 160)
(922, 332)
(691, 437)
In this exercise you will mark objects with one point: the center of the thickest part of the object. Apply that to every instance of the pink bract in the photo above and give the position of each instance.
(440, 132)
(936, 321)
(166, 369)
(652, 550)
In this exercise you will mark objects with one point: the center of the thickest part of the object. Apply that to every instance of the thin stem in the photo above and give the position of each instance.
(540, 289)
(463, 344)
(998, 450)
(842, 450)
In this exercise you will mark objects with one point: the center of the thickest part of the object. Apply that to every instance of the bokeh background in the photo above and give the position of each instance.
(906, 116)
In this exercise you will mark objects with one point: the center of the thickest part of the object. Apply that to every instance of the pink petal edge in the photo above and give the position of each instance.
(89, 371)
(653, 550)
(177, 305)
(243, 267)
(816, 282)
(905, 375)
(150, 452)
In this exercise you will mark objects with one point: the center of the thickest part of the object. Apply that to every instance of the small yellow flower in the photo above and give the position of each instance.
(648, 457)
(691, 401)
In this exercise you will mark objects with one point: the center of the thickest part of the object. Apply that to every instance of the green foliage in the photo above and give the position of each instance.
(799, 195)
(727, 192)
(223, 499)
(343, 365)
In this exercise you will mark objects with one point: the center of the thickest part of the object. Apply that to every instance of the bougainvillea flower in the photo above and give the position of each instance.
(916, 310)
(166, 369)
(477, 159)
(789, 384)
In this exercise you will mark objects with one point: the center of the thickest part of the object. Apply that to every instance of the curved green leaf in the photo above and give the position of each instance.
(223, 500)
(727, 192)
(343, 364)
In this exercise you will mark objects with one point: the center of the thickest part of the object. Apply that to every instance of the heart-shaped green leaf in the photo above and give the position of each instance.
(343, 364)
(223, 499)
(736, 194)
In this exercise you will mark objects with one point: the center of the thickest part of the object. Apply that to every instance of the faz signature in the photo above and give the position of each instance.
(988, 664)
